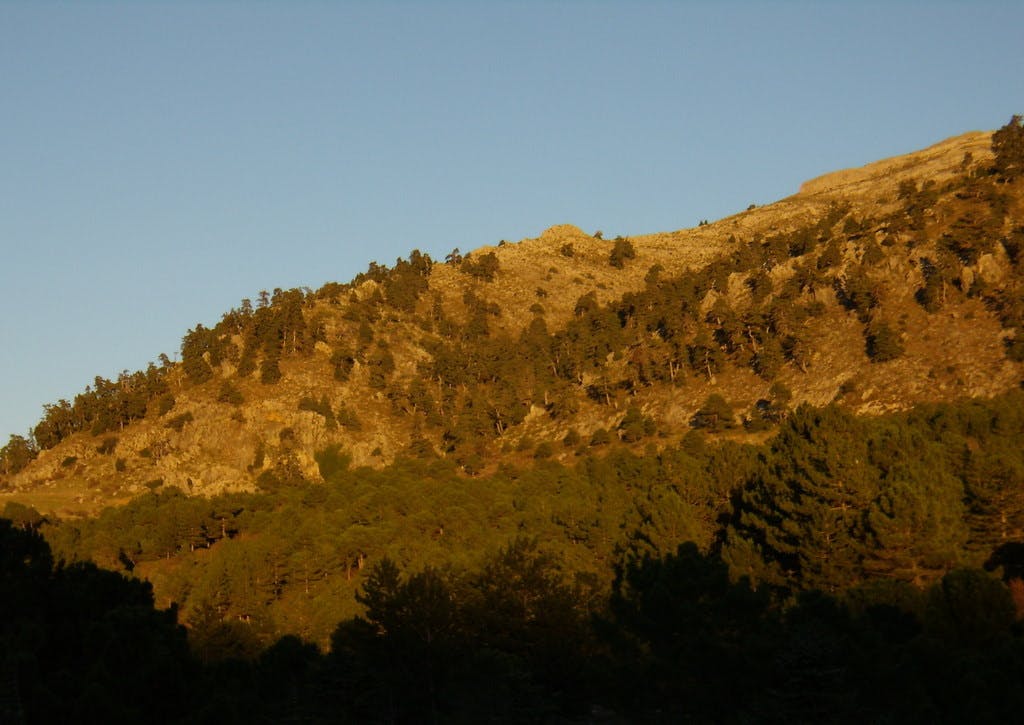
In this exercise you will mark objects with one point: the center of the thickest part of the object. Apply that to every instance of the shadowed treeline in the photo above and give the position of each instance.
(81, 644)
(516, 641)
(833, 502)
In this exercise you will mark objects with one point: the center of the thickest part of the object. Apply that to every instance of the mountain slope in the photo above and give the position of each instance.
(880, 287)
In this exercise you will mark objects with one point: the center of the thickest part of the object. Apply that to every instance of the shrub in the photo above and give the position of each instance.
(1015, 348)
(270, 371)
(347, 418)
(622, 251)
(344, 362)
(321, 407)
(332, 462)
(484, 267)
(716, 414)
(883, 343)
(229, 394)
(164, 404)
(635, 425)
(178, 422)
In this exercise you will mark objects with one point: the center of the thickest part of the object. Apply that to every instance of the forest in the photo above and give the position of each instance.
(651, 584)
(776, 561)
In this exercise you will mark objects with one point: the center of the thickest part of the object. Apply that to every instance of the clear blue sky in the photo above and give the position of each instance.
(161, 161)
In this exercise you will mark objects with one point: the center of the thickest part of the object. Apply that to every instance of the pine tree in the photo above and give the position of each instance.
(17, 454)
(622, 250)
(1008, 147)
(193, 347)
(916, 524)
(270, 370)
(805, 509)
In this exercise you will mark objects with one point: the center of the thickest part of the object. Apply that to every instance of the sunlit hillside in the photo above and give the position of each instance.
(568, 478)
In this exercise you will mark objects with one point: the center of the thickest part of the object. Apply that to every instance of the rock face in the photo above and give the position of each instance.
(936, 163)
(871, 256)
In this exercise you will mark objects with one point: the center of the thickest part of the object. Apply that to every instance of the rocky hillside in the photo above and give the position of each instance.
(880, 287)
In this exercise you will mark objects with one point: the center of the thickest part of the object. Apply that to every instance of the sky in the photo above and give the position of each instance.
(161, 161)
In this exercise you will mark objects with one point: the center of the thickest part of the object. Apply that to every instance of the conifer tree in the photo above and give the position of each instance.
(17, 454)
(705, 356)
(805, 509)
(270, 370)
(1008, 147)
(916, 524)
(622, 251)
(193, 347)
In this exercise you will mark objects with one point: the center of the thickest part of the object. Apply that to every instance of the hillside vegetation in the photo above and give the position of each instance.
(853, 290)
(789, 436)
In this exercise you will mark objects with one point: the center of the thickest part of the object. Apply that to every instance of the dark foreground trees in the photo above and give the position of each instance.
(830, 578)
(517, 639)
(80, 644)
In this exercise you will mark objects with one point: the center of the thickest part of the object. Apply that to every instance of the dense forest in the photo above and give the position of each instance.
(769, 561)
(651, 584)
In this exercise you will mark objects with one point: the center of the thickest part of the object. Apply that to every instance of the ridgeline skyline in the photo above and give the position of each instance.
(162, 162)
